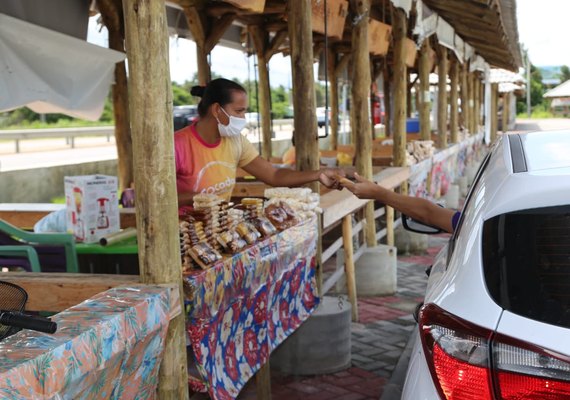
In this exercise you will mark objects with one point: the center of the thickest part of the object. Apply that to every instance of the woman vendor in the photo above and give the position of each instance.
(209, 151)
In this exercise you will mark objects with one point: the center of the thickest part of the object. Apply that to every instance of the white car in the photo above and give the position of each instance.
(495, 323)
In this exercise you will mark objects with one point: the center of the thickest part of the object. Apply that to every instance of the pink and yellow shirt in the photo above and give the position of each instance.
(209, 168)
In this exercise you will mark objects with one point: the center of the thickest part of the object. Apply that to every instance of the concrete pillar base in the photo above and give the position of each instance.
(321, 345)
(410, 242)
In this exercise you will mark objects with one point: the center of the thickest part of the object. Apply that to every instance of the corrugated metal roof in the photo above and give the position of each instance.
(562, 90)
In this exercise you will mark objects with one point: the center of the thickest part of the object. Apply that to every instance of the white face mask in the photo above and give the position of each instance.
(234, 128)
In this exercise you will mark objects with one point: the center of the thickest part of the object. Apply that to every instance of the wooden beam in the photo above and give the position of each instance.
(349, 264)
(150, 95)
(305, 123)
(261, 42)
(424, 93)
(464, 97)
(276, 42)
(332, 62)
(442, 97)
(58, 291)
(197, 24)
(399, 30)
(494, 116)
(360, 123)
(453, 99)
(218, 30)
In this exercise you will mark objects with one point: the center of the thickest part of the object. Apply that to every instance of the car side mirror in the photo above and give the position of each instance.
(412, 225)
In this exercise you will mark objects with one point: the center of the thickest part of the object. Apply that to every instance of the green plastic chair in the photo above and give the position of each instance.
(22, 251)
(11, 236)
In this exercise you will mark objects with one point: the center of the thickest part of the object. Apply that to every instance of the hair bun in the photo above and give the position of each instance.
(197, 91)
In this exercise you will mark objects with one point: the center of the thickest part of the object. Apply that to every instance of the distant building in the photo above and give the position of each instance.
(560, 99)
(550, 82)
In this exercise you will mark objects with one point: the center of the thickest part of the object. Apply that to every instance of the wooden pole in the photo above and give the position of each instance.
(476, 103)
(482, 101)
(387, 81)
(442, 97)
(389, 226)
(112, 15)
(305, 123)
(424, 95)
(150, 95)
(453, 98)
(506, 111)
(464, 121)
(494, 116)
(471, 83)
(333, 81)
(408, 96)
(261, 41)
(399, 30)
(349, 264)
(361, 126)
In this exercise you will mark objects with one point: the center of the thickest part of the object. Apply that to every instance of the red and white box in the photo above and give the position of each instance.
(92, 206)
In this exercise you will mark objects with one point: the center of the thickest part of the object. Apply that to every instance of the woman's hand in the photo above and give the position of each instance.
(330, 177)
(362, 188)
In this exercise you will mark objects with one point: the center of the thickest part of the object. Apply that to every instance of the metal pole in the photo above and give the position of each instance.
(528, 86)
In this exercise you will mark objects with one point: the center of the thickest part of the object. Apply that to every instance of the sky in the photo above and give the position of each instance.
(542, 25)
(543, 30)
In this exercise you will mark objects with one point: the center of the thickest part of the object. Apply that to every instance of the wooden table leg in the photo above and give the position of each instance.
(263, 382)
(349, 264)
(389, 226)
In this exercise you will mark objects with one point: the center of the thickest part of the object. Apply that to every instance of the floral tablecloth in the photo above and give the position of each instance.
(108, 347)
(240, 310)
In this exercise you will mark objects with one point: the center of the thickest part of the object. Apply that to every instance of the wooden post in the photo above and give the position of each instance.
(482, 101)
(471, 83)
(408, 96)
(150, 95)
(464, 121)
(389, 226)
(424, 95)
(349, 264)
(263, 382)
(476, 103)
(442, 97)
(305, 123)
(112, 15)
(453, 98)
(399, 30)
(494, 116)
(506, 111)
(261, 40)
(387, 81)
(333, 81)
(361, 126)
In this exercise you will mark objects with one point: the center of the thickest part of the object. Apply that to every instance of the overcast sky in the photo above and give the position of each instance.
(543, 30)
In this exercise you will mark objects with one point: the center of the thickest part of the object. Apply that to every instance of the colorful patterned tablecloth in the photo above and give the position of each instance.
(108, 347)
(240, 310)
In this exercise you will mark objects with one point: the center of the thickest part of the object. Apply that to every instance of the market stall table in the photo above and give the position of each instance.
(242, 308)
(109, 346)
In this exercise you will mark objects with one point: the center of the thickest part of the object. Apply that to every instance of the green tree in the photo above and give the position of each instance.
(564, 73)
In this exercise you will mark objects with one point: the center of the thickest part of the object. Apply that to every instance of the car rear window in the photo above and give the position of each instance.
(526, 257)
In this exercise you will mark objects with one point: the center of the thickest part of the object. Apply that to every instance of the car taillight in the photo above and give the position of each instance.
(527, 372)
(458, 355)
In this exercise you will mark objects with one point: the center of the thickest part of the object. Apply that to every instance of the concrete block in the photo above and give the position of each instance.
(321, 345)
(376, 272)
(410, 242)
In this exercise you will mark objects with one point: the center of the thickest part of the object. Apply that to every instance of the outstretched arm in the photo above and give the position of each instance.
(267, 173)
(417, 208)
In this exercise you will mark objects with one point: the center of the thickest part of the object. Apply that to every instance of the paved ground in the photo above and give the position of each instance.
(378, 342)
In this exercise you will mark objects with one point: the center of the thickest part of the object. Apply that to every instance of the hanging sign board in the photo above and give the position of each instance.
(337, 10)
(253, 5)
(378, 37)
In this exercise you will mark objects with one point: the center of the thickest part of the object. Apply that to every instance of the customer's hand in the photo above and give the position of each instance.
(362, 188)
(330, 177)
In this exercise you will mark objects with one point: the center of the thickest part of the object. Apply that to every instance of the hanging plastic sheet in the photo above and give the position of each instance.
(50, 72)
(405, 5)
(445, 33)
(426, 22)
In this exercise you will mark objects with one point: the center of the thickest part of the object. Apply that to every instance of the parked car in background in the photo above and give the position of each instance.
(184, 116)
(321, 117)
(495, 322)
(253, 120)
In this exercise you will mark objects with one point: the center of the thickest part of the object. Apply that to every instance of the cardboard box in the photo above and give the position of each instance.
(92, 206)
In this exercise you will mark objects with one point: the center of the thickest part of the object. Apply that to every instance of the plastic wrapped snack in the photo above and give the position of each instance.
(248, 232)
(264, 226)
(231, 241)
(281, 215)
(204, 255)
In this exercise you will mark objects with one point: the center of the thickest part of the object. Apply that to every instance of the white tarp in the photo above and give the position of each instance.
(426, 22)
(405, 5)
(445, 33)
(50, 72)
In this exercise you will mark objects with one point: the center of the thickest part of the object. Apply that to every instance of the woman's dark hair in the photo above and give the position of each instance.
(217, 91)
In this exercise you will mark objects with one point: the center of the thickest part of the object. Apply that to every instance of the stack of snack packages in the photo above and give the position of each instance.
(302, 201)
